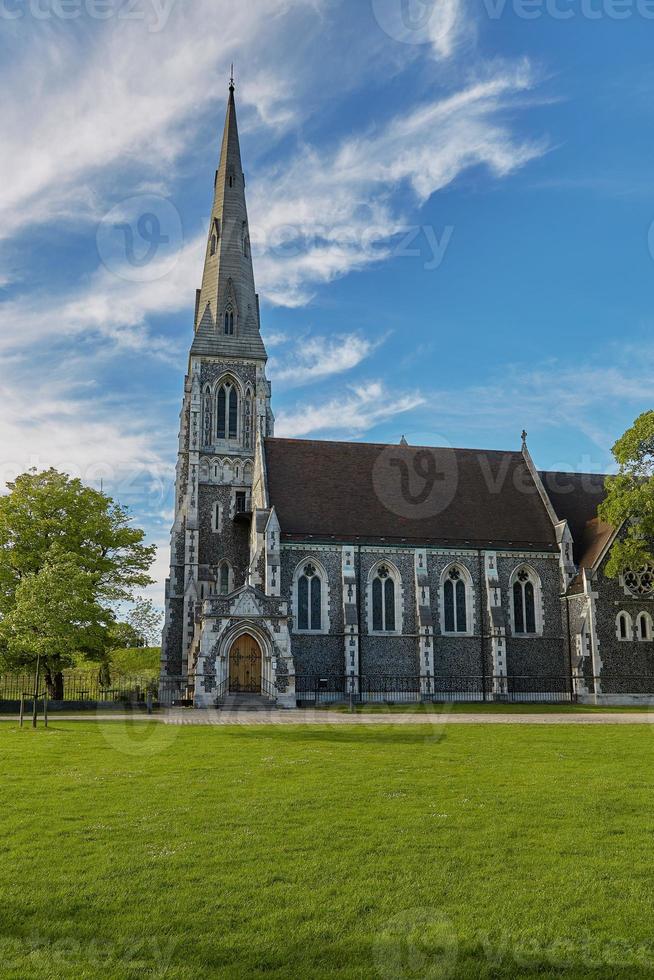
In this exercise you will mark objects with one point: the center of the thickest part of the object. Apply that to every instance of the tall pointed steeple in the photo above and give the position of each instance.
(227, 306)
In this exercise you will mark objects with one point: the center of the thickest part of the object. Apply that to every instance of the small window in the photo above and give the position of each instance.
(214, 244)
(217, 517)
(229, 322)
(240, 502)
(645, 627)
(224, 582)
(624, 627)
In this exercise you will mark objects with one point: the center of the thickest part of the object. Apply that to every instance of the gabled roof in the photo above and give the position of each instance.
(575, 498)
(351, 491)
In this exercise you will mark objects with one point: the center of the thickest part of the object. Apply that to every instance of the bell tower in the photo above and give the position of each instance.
(226, 400)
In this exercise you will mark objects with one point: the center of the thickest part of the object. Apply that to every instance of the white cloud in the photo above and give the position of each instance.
(349, 415)
(61, 423)
(331, 212)
(315, 358)
(109, 306)
(120, 96)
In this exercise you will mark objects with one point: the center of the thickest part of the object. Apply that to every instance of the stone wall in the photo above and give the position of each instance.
(392, 655)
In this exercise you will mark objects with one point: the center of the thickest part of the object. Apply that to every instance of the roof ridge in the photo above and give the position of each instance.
(387, 445)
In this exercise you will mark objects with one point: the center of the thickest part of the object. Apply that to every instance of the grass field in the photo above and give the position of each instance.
(315, 851)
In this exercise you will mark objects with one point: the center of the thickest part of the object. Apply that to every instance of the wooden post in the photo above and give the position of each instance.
(22, 709)
(35, 706)
(45, 708)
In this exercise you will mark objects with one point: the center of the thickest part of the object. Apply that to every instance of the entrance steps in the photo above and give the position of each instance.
(245, 702)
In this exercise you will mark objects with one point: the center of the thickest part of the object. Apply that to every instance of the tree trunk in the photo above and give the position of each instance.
(55, 684)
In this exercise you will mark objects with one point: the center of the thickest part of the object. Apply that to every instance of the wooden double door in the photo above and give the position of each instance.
(245, 666)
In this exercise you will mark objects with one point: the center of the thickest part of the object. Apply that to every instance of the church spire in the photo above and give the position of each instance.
(227, 307)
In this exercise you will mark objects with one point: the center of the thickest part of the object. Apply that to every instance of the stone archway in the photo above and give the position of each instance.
(245, 666)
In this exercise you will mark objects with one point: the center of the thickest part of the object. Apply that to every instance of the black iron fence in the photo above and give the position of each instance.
(86, 686)
(446, 688)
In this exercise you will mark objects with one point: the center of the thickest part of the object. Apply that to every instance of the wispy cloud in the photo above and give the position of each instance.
(333, 210)
(67, 424)
(316, 358)
(359, 409)
(125, 100)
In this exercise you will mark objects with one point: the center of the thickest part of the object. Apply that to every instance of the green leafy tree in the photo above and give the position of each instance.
(54, 615)
(49, 521)
(146, 621)
(123, 636)
(630, 498)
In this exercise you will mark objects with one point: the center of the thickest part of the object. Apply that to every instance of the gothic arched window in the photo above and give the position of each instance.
(207, 417)
(227, 412)
(526, 600)
(384, 597)
(456, 589)
(644, 627)
(229, 321)
(624, 626)
(309, 598)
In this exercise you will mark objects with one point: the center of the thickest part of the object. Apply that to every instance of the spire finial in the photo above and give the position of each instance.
(231, 79)
(524, 438)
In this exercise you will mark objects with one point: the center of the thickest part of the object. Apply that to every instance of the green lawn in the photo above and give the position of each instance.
(326, 851)
(488, 708)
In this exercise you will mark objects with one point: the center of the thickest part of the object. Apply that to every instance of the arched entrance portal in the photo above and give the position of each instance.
(245, 666)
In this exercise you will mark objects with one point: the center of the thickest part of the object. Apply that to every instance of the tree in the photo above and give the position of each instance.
(146, 621)
(53, 525)
(630, 498)
(122, 636)
(55, 615)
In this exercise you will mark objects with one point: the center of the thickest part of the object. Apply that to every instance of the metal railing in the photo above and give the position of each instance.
(83, 686)
(402, 689)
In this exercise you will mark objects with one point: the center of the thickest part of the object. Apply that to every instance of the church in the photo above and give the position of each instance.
(307, 571)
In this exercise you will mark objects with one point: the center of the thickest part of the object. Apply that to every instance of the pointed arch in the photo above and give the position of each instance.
(310, 597)
(384, 598)
(456, 594)
(624, 627)
(526, 601)
(227, 399)
(644, 627)
(207, 416)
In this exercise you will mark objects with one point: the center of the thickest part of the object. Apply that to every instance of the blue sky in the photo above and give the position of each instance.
(451, 208)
